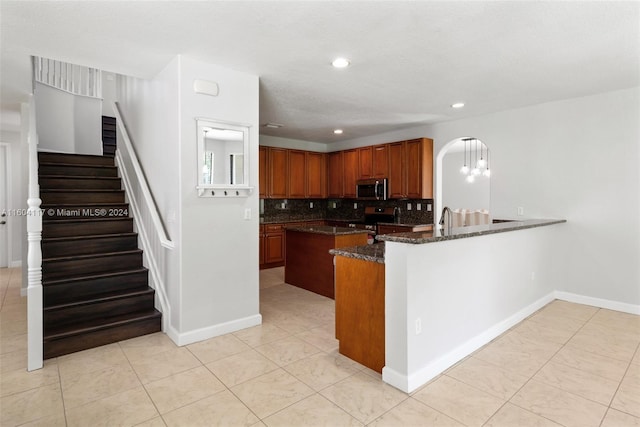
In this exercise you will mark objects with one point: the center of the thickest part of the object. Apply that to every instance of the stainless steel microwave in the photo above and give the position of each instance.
(372, 189)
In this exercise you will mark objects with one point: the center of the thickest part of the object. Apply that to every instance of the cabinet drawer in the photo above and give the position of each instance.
(273, 228)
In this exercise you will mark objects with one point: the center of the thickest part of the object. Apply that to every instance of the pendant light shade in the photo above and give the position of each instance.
(478, 163)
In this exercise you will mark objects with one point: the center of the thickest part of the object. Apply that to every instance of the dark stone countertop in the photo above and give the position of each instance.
(372, 253)
(404, 224)
(325, 229)
(438, 235)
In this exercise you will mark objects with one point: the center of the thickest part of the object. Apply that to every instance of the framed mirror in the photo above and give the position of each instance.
(223, 167)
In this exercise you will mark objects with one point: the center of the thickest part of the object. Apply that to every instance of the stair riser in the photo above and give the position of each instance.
(63, 293)
(53, 270)
(114, 210)
(105, 309)
(67, 229)
(54, 198)
(55, 348)
(52, 249)
(77, 170)
(63, 183)
(75, 159)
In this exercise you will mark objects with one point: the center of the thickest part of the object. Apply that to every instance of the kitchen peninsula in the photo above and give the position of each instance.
(446, 293)
(309, 265)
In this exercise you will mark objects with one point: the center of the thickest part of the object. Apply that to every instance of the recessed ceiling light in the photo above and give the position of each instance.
(457, 105)
(340, 62)
(273, 125)
(338, 131)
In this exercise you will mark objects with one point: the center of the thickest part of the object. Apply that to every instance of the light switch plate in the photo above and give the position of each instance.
(247, 213)
(310, 205)
(429, 208)
(355, 206)
(418, 206)
(408, 206)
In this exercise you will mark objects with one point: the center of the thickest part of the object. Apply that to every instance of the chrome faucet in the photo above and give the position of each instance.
(445, 211)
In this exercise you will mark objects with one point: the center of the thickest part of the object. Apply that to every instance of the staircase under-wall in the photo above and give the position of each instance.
(95, 287)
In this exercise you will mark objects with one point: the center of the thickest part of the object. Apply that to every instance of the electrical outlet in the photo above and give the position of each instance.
(310, 205)
(418, 206)
(520, 210)
(408, 206)
(247, 213)
(335, 205)
(355, 206)
(429, 208)
(418, 326)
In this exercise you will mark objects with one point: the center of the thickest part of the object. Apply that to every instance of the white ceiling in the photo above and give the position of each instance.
(410, 60)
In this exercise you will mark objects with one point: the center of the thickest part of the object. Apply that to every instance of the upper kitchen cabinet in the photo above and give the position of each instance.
(297, 165)
(411, 169)
(335, 174)
(262, 171)
(316, 175)
(365, 162)
(277, 173)
(380, 161)
(350, 173)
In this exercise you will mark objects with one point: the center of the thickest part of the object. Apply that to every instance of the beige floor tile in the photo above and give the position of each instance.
(164, 364)
(217, 348)
(536, 330)
(607, 329)
(604, 344)
(13, 327)
(184, 388)
(578, 382)
(364, 397)
(147, 345)
(617, 319)
(636, 358)
(241, 367)
(627, 399)
(556, 320)
(592, 363)
(271, 392)
(459, 401)
(31, 405)
(287, 350)
(154, 422)
(570, 309)
(512, 416)
(14, 361)
(311, 412)
(22, 380)
(484, 376)
(221, 409)
(124, 409)
(414, 413)
(558, 405)
(322, 370)
(261, 334)
(95, 359)
(284, 318)
(320, 337)
(82, 388)
(51, 421)
(13, 343)
(616, 418)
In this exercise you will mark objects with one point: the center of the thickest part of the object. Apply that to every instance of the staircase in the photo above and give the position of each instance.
(95, 288)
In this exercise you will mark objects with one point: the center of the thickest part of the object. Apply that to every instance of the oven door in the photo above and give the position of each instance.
(371, 189)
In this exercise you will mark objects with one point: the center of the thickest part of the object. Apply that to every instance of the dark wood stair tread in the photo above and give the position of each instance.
(89, 256)
(81, 177)
(87, 277)
(110, 296)
(88, 237)
(100, 323)
(76, 165)
(86, 220)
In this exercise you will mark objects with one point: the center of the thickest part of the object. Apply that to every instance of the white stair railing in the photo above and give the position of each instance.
(72, 78)
(34, 252)
(153, 237)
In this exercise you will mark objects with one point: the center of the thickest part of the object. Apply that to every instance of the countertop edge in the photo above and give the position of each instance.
(356, 252)
(460, 233)
(326, 229)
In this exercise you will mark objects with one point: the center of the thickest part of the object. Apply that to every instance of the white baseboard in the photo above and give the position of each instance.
(15, 264)
(395, 378)
(214, 330)
(599, 302)
(435, 368)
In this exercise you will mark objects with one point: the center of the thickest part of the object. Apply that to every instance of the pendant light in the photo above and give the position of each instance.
(475, 171)
(487, 171)
(481, 163)
(465, 169)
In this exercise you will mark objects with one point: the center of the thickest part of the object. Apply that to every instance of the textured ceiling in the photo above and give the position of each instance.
(410, 60)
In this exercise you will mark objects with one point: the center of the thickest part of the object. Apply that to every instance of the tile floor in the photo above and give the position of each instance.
(566, 365)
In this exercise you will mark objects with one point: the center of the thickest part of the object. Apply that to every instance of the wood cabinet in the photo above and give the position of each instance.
(365, 162)
(402, 228)
(296, 174)
(277, 176)
(316, 177)
(335, 174)
(380, 161)
(262, 171)
(359, 295)
(411, 169)
(350, 167)
(274, 246)
(261, 233)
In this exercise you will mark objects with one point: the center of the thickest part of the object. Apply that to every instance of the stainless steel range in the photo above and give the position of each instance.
(373, 216)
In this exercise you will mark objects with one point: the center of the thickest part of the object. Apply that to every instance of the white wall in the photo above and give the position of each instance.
(457, 193)
(16, 197)
(67, 123)
(109, 93)
(219, 282)
(575, 159)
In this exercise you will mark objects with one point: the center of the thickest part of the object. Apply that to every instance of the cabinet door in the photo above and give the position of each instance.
(380, 162)
(316, 175)
(365, 162)
(396, 171)
(413, 164)
(296, 169)
(261, 248)
(277, 173)
(350, 172)
(262, 169)
(274, 247)
(335, 174)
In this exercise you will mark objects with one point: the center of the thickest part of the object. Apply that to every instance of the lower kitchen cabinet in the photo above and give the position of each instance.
(273, 246)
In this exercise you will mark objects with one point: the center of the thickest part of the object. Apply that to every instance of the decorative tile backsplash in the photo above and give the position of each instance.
(283, 210)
